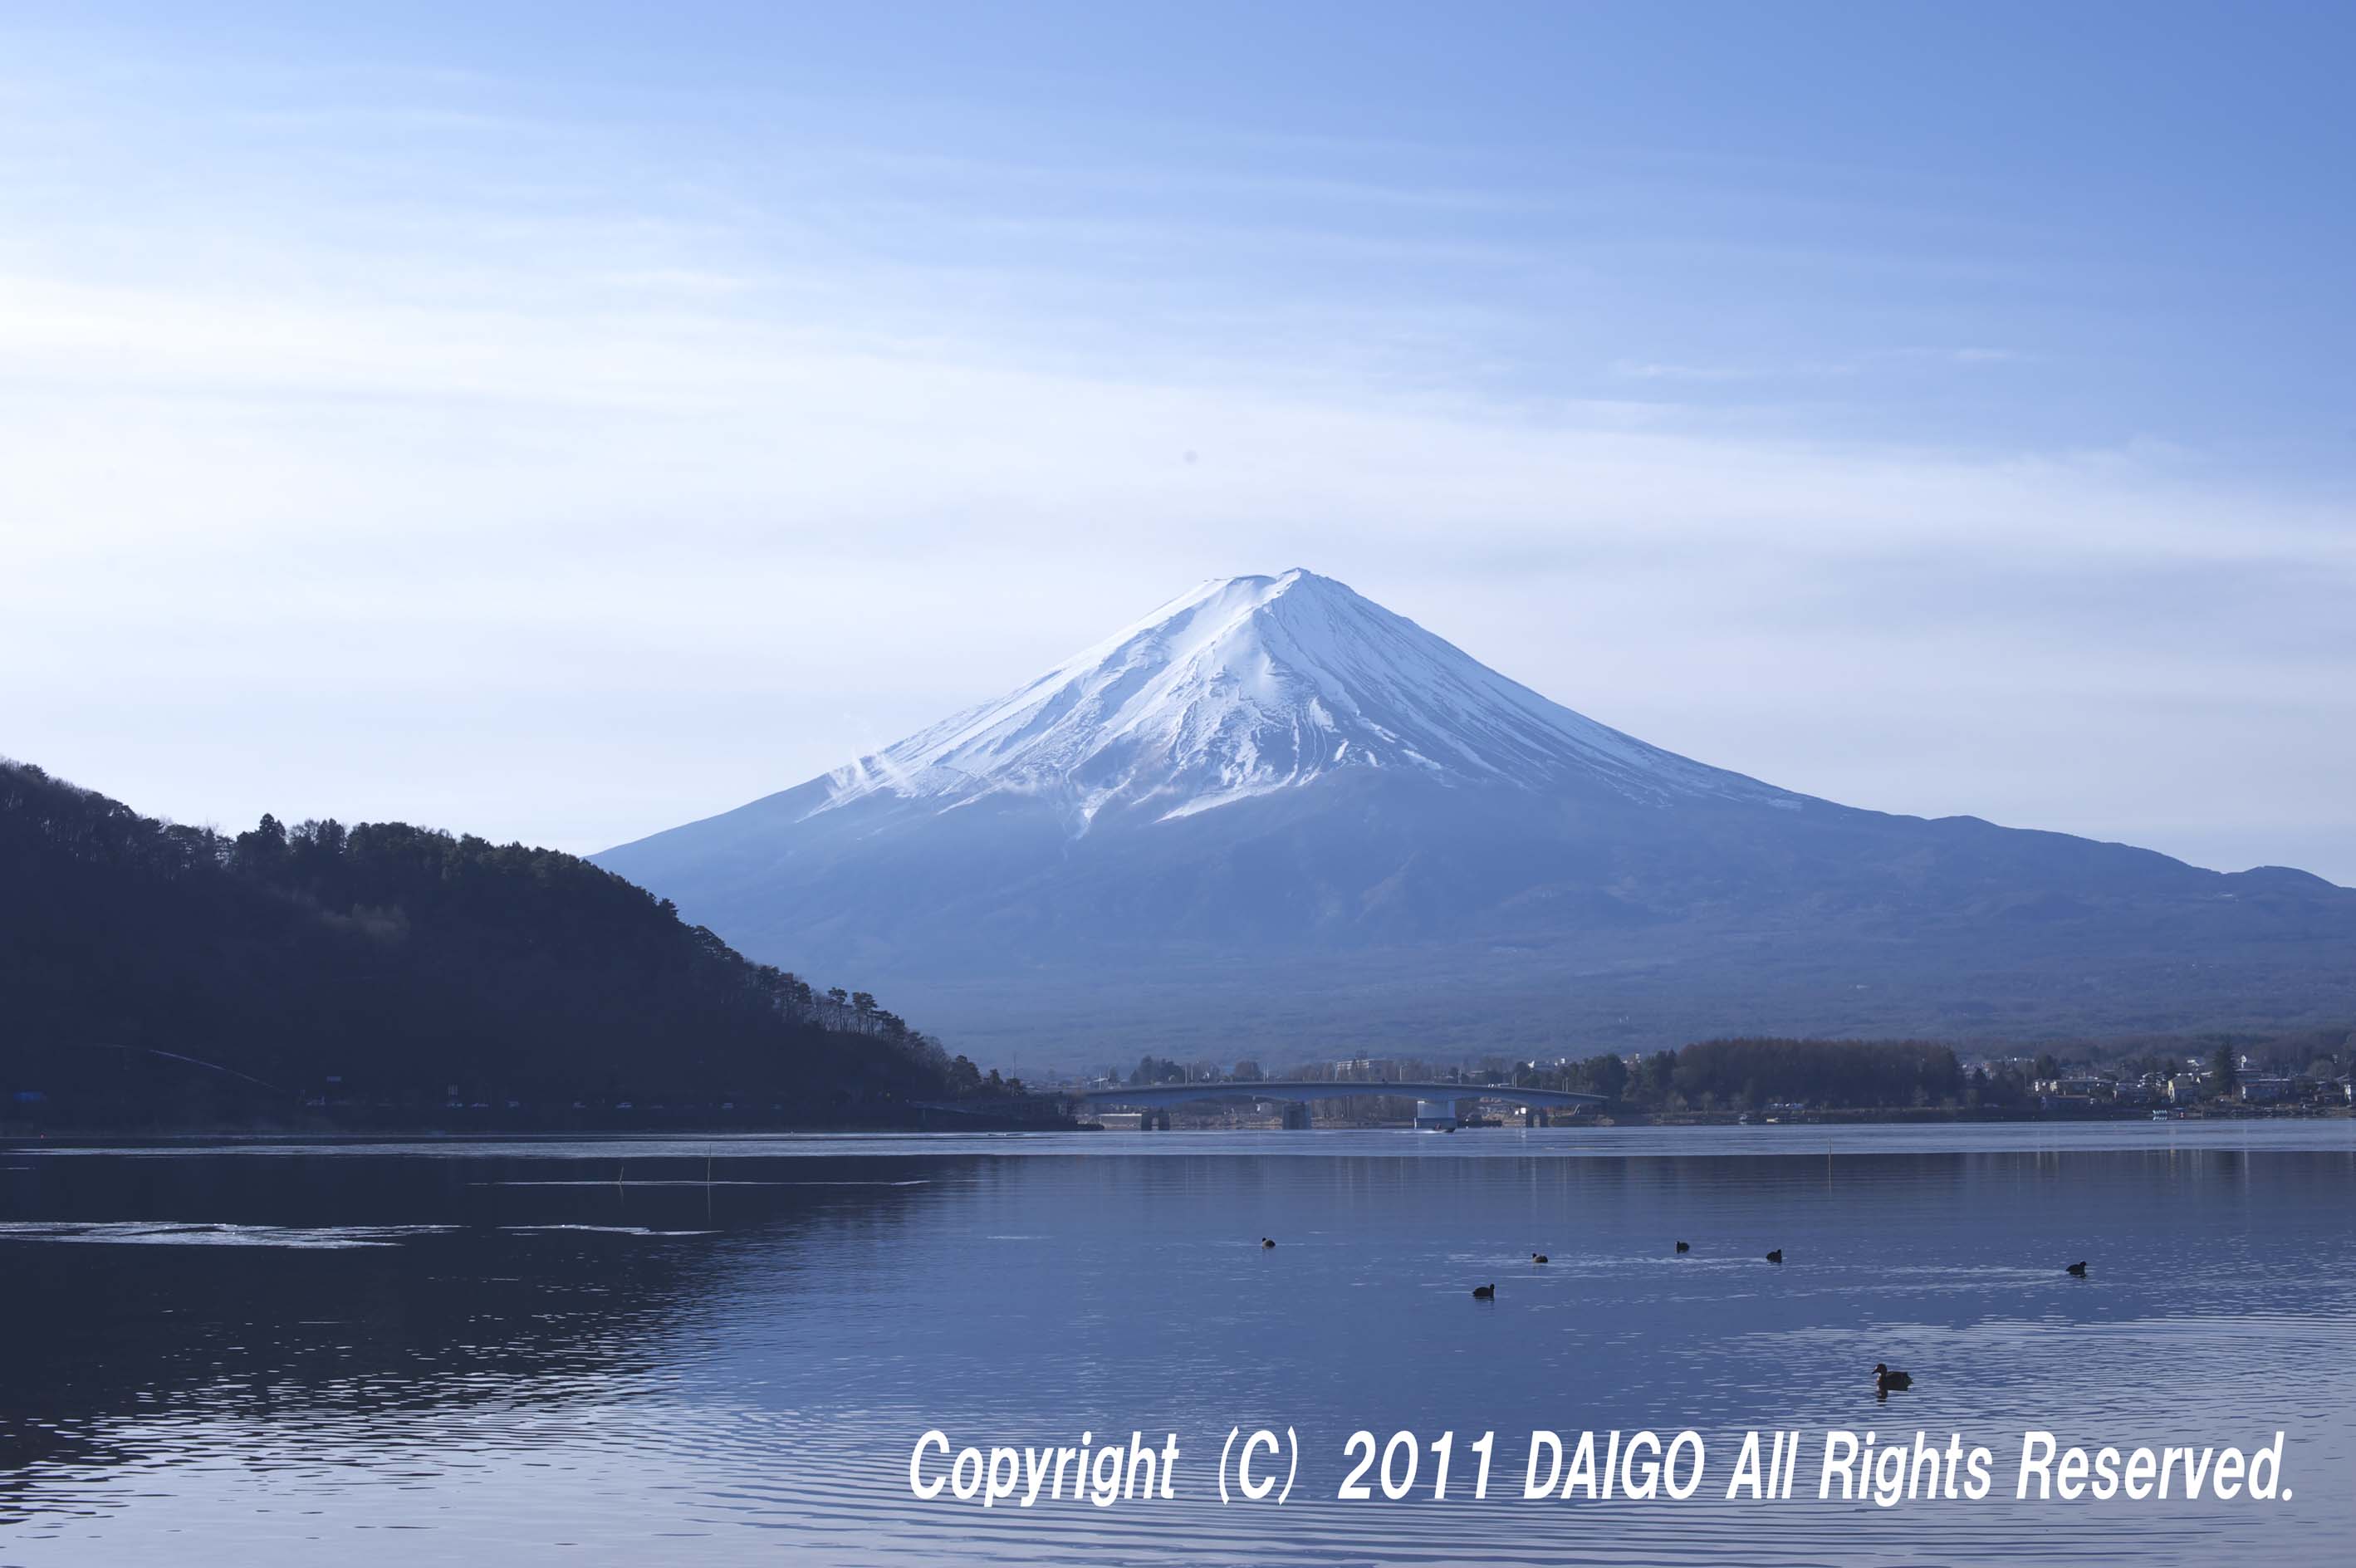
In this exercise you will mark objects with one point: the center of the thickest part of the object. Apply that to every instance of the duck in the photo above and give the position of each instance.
(1265, 1243)
(1884, 1379)
(1539, 1258)
(1776, 1256)
(1484, 1292)
(1684, 1246)
(2078, 1269)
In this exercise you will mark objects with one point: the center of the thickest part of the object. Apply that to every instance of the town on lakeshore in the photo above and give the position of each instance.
(1746, 1082)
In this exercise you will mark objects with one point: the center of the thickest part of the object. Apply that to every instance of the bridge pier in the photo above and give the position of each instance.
(1296, 1116)
(1435, 1113)
(1154, 1120)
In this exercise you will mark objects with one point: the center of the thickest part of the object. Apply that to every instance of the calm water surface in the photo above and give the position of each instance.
(580, 1352)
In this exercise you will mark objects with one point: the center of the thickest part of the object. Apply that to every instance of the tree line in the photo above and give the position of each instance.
(1751, 1074)
(1741, 1074)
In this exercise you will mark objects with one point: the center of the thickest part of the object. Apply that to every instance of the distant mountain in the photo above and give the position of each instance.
(1274, 812)
(163, 976)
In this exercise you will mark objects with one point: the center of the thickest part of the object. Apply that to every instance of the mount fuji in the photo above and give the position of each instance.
(1273, 814)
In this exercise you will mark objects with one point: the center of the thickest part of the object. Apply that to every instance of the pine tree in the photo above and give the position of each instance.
(2225, 1073)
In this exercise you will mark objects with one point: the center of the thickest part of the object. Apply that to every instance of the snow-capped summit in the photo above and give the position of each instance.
(1245, 685)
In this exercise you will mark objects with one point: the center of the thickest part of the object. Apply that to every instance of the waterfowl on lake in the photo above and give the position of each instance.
(2078, 1269)
(1684, 1246)
(1484, 1292)
(1884, 1379)
(1539, 1258)
(1776, 1256)
(1265, 1243)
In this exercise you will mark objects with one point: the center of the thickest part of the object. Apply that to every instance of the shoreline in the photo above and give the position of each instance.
(24, 1136)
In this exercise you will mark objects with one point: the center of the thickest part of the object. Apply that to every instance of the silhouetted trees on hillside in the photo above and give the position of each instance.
(172, 973)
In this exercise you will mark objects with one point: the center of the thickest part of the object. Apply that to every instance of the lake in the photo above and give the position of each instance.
(693, 1351)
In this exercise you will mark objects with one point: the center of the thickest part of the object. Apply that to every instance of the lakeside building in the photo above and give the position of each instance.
(2087, 1087)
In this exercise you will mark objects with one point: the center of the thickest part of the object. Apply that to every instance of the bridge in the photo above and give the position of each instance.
(1436, 1103)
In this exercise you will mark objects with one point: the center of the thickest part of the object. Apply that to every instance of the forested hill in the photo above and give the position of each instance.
(162, 975)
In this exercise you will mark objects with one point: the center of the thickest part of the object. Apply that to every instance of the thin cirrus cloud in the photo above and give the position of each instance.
(559, 477)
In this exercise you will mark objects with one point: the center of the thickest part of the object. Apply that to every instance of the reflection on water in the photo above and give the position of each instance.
(451, 1353)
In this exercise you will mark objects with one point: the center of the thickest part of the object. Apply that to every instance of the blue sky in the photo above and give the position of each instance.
(562, 424)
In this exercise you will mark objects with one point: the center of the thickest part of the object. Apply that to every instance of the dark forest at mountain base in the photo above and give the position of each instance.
(159, 976)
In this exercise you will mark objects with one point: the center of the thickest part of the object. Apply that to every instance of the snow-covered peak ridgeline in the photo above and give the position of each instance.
(1249, 685)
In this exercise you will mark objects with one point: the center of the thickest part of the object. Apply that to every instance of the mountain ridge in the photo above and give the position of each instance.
(1273, 783)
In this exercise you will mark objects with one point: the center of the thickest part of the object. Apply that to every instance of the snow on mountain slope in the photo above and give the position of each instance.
(1249, 685)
